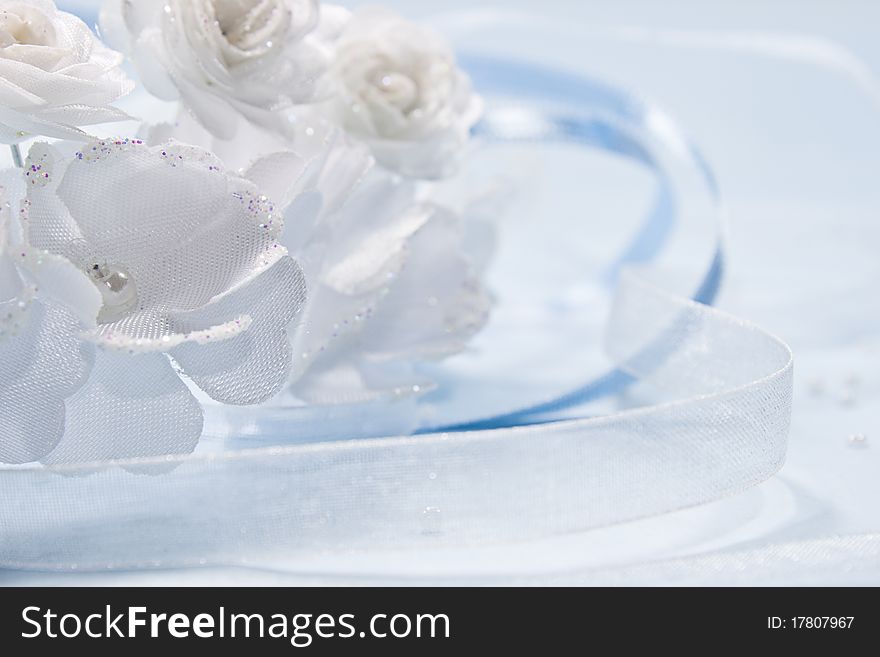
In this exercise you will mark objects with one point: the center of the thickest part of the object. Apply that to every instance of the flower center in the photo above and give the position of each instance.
(117, 290)
(252, 24)
(399, 90)
(25, 27)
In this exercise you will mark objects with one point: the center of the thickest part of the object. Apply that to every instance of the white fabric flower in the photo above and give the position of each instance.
(187, 265)
(391, 286)
(398, 88)
(390, 282)
(55, 76)
(223, 58)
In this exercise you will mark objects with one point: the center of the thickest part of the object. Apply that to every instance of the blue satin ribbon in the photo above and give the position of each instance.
(599, 116)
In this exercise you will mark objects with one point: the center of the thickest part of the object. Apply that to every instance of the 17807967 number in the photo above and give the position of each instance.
(810, 622)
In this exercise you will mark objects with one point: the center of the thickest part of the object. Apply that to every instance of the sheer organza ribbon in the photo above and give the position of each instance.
(514, 476)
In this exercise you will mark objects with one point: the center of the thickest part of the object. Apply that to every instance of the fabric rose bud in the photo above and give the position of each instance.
(55, 75)
(223, 59)
(187, 264)
(398, 88)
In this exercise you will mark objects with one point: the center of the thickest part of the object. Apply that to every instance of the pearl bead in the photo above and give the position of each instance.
(117, 290)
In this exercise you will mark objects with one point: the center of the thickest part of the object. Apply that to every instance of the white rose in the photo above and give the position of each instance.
(398, 89)
(222, 58)
(55, 76)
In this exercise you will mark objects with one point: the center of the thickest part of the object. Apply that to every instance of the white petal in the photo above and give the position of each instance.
(373, 246)
(16, 127)
(39, 369)
(277, 175)
(58, 280)
(132, 407)
(254, 365)
(437, 303)
(81, 115)
(351, 260)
